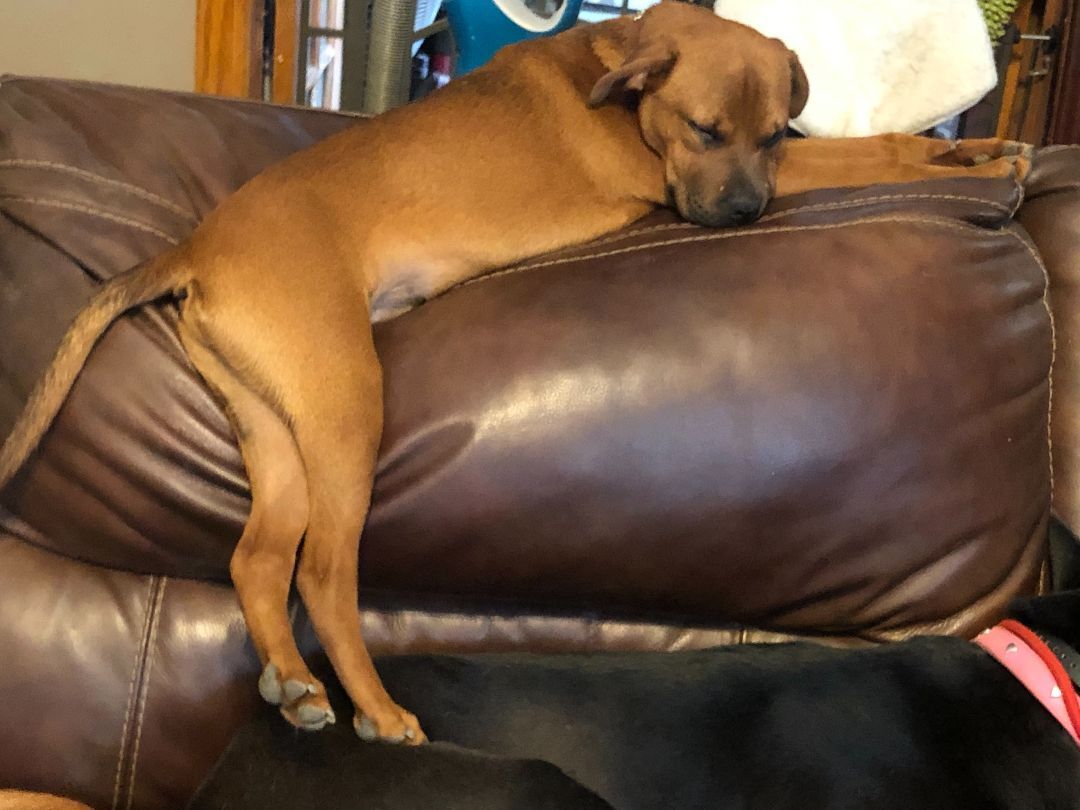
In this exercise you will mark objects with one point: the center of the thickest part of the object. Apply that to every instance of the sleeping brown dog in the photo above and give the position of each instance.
(555, 142)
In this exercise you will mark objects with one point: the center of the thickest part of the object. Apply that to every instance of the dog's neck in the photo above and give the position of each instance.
(1067, 654)
(1038, 667)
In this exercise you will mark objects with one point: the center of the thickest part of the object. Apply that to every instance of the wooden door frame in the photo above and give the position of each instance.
(229, 37)
(1065, 111)
(284, 79)
(228, 47)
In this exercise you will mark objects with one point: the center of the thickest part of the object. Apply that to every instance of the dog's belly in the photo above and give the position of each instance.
(401, 280)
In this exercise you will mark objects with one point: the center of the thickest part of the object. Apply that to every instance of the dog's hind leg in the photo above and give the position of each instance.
(303, 348)
(264, 559)
(338, 433)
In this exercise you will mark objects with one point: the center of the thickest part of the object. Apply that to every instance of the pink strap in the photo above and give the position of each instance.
(1029, 668)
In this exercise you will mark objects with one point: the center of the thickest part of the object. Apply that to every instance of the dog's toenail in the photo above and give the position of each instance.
(270, 685)
(294, 690)
(313, 717)
(365, 729)
(410, 734)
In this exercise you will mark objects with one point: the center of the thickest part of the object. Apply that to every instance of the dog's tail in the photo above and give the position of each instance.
(160, 277)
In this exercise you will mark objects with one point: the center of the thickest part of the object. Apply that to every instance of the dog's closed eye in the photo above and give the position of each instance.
(774, 139)
(708, 135)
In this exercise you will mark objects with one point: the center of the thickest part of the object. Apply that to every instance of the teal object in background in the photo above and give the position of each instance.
(481, 27)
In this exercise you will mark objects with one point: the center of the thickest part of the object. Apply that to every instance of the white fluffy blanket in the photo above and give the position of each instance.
(878, 65)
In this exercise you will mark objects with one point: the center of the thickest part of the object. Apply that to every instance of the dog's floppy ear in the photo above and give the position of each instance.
(654, 59)
(800, 86)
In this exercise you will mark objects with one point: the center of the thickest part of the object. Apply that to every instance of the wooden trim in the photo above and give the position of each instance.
(228, 47)
(1065, 110)
(1038, 89)
(1017, 62)
(286, 45)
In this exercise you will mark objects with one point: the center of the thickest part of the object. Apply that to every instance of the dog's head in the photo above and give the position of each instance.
(715, 101)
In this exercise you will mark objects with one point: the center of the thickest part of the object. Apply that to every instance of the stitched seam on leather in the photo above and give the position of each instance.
(1030, 247)
(884, 198)
(1021, 193)
(717, 236)
(131, 695)
(95, 212)
(144, 690)
(149, 196)
(822, 207)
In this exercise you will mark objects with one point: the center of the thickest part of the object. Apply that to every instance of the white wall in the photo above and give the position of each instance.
(150, 43)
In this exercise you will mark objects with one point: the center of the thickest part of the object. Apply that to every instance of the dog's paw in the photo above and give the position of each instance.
(1017, 149)
(989, 157)
(979, 151)
(399, 727)
(1021, 166)
(1018, 155)
(309, 715)
(303, 702)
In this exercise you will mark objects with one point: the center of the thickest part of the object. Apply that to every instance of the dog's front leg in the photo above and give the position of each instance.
(809, 164)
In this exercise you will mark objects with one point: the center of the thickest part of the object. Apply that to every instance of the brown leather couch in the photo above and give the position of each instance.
(832, 424)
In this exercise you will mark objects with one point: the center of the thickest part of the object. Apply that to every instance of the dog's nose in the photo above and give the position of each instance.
(744, 209)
